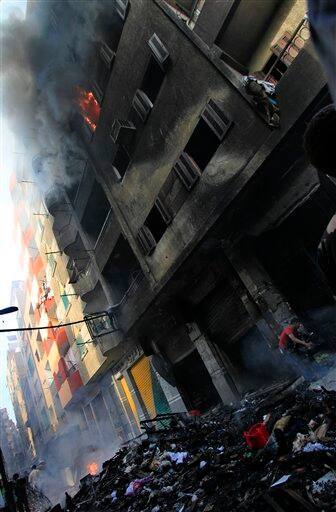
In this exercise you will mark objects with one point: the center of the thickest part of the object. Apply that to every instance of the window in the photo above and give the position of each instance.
(52, 264)
(121, 161)
(203, 143)
(31, 365)
(104, 65)
(157, 220)
(121, 268)
(45, 419)
(37, 355)
(82, 348)
(65, 301)
(153, 79)
(95, 213)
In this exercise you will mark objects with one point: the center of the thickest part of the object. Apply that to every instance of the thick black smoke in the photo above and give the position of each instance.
(45, 57)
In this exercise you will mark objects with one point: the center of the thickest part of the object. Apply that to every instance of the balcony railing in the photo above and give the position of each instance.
(287, 49)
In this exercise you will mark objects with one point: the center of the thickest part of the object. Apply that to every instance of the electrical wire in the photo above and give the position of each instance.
(22, 329)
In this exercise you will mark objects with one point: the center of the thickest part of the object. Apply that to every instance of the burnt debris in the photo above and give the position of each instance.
(217, 462)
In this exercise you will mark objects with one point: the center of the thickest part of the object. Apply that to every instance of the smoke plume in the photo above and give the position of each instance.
(45, 58)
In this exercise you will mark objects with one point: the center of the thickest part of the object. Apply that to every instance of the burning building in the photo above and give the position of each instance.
(192, 219)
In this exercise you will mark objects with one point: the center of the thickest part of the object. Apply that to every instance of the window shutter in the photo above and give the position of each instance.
(159, 51)
(146, 240)
(214, 116)
(187, 170)
(165, 213)
(122, 8)
(122, 131)
(142, 105)
(97, 91)
(106, 54)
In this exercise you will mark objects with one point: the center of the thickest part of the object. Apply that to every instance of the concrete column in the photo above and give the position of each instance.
(218, 373)
(171, 393)
(273, 306)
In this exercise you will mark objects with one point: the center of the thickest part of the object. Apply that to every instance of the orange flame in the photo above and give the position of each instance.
(89, 106)
(92, 468)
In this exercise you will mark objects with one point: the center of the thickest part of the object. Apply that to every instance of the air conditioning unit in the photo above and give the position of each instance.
(146, 240)
(214, 116)
(142, 105)
(122, 8)
(122, 131)
(187, 170)
(159, 51)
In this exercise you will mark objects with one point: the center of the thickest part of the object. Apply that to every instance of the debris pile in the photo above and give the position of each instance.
(219, 462)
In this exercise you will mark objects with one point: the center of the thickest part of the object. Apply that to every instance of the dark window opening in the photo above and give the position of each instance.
(102, 74)
(195, 384)
(95, 299)
(121, 160)
(187, 6)
(278, 70)
(156, 223)
(78, 254)
(121, 268)
(95, 212)
(153, 79)
(202, 144)
(110, 28)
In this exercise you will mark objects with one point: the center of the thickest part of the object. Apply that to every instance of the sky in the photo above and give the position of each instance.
(10, 267)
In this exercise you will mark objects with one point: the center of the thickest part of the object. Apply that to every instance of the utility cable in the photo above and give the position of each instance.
(22, 329)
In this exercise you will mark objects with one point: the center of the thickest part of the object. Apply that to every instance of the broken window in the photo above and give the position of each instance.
(203, 144)
(158, 220)
(95, 213)
(121, 268)
(153, 79)
(121, 161)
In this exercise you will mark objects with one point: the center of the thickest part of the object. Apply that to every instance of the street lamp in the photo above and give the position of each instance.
(7, 488)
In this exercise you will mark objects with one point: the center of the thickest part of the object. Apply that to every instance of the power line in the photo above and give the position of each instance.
(22, 329)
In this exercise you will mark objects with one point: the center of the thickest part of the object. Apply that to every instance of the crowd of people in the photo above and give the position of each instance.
(27, 490)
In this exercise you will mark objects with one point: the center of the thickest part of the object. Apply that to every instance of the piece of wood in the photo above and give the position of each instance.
(271, 501)
(299, 499)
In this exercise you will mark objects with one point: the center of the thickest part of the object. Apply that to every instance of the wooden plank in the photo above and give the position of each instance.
(271, 501)
(297, 497)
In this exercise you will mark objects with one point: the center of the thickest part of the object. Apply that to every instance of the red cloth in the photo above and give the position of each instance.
(75, 381)
(284, 336)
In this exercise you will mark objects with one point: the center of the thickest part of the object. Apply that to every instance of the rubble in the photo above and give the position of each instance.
(204, 464)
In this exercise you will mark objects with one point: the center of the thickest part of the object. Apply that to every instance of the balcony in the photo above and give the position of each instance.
(67, 235)
(107, 239)
(111, 345)
(86, 281)
(130, 306)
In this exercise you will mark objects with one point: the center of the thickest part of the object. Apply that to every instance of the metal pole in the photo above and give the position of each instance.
(298, 28)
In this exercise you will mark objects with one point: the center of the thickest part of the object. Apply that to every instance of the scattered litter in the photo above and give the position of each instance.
(227, 461)
(281, 481)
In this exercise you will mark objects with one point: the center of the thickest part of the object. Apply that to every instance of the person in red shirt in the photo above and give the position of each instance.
(289, 340)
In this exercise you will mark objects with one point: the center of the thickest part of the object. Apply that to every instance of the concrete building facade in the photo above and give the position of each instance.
(191, 219)
(198, 194)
